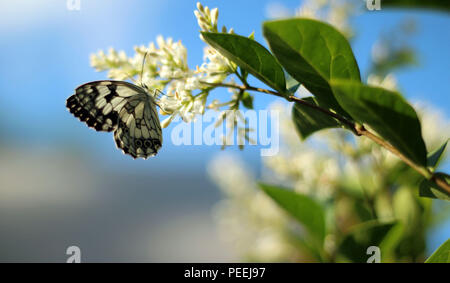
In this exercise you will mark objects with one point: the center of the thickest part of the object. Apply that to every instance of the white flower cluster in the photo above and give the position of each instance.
(215, 69)
(247, 219)
(319, 168)
(166, 70)
(292, 165)
(388, 82)
(335, 12)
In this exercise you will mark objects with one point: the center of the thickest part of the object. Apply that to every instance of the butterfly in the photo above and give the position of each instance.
(125, 108)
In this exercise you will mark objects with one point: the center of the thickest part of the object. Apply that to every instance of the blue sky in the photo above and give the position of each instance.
(45, 48)
(45, 52)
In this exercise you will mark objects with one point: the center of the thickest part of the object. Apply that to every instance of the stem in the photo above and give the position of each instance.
(364, 132)
(359, 130)
(441, 182)
(242, 87)
(243, 80)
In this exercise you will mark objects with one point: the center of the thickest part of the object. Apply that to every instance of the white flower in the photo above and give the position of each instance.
(435, 125)
(166, 122)
(335, 12)
(380, 51)
(165, 70)
(113, 59)
(215, 64)
(388, 82)
(206, 18)
(193, 83)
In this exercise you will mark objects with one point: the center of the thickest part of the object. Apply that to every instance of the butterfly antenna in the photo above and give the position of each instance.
(157, 94)
(142, 68)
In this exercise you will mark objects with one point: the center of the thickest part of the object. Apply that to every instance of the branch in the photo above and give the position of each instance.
(441, 182)
(357, 129)
(242, 87)
(364, 132)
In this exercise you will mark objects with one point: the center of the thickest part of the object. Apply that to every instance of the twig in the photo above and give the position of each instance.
(244, 88)
(359, 130)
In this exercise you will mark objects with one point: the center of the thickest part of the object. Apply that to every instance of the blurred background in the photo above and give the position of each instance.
(62, 184)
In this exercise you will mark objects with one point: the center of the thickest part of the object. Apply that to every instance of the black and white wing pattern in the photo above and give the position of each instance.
(124, 108)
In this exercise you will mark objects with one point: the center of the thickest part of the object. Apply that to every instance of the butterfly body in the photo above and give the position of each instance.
(127, 109)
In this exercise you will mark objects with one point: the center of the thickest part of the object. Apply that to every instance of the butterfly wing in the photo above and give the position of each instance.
(98, 103)
(139, 131)
(123, 107)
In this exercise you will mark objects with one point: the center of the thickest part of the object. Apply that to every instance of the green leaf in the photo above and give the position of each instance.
(430, 189)
(291, 84)
(303, 208)
(388, 113)
(249, 55)
(434, 157)
(390, 242)
(313, 53)
(433, 4)
(362, 210)
(354, 245)
(243, 72)
(247, 100)
(308, 120)
(441, 255)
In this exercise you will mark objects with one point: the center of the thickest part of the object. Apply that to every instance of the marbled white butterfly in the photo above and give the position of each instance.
(127, 109)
